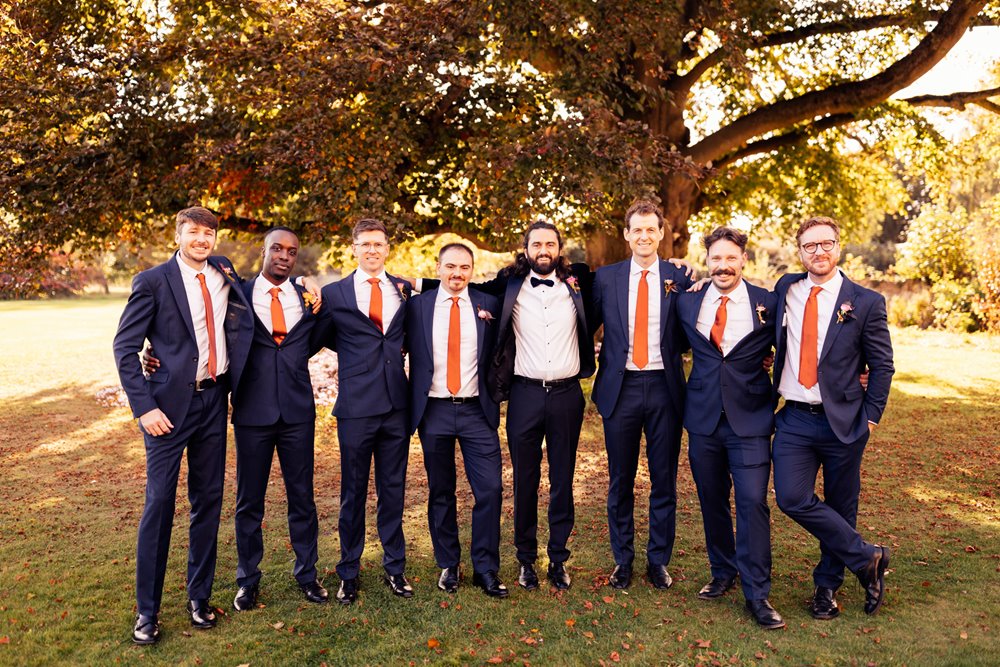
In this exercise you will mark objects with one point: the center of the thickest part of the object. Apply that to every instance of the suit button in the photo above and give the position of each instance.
(190, 385)
(194, 359)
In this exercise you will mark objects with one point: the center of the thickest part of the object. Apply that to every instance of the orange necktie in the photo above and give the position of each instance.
(719, 327)
(809, 347)
(278, 327)
(454, 376)
(375, 308)
(640, 339)
(209, 324)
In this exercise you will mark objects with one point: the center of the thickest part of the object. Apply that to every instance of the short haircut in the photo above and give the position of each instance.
(279, 228)
(541, 224)
(643, 207)
(455, 246)
(196, 215)
(817, 221)
(726, 234)
(369, 225)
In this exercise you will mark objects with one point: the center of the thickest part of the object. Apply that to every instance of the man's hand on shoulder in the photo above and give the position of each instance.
(310, 285)
(699, 285)
(155, 423)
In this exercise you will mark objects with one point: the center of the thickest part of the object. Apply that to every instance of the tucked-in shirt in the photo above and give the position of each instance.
(218, 290)
(655, 297)
(739, 315)
(468, 349)
(545, 331)
(288, 297)
(390, 296)
(795, 306)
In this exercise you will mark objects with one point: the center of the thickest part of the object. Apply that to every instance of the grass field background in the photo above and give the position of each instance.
(71, 485)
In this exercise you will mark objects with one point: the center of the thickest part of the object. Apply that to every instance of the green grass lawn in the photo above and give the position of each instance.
(71, 484)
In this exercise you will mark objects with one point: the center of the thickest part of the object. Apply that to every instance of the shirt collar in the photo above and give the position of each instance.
(832, 285)
(360, 277)
(738, 295)
(635, 269)
(264, 286)
(187, 270)
(463, 296)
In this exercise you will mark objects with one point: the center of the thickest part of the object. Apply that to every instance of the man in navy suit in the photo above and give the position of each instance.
(365, 325)
(273, 409)
(185, 307)
(830, 330)
(451, 333)
(640, 388)
(729, 418)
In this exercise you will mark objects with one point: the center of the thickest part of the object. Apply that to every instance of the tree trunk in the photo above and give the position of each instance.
(679, 195)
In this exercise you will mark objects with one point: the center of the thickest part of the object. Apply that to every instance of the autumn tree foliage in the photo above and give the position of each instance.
(469, 116)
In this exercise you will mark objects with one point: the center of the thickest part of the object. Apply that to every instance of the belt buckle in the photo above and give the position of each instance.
(546, 386)
(197, 385)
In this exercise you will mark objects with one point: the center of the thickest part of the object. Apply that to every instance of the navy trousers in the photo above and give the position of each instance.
(641, 408)
(802, 443)
(385, 440)
(255, 447)
(204, 437)
(444, 422)
(720, 463)
(554, 415)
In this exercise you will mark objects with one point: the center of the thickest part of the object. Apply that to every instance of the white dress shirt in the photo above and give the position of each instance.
(795, 306)
(739, 315)
(390, 297)
(655, 296)
(218, 290)
(288, 297)
(545, 331)
(469, 348)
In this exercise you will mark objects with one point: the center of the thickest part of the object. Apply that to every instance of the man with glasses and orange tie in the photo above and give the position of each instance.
(366, 327)
(830, 329)
(451, 333)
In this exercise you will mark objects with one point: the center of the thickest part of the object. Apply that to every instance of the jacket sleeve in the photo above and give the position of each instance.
(135, 323)
(876, 346)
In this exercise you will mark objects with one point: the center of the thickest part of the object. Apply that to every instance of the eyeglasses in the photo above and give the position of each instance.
(811, 248)
(378, 245)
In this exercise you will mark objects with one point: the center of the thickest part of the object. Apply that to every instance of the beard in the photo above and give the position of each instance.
(542, 264)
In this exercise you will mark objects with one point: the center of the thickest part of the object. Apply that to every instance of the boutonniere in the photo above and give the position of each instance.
(484, 314)
(228, 273)
(403, 293)
(309, 299)
(761, 313)
(573, 283)
(846, 312)
(669, 286)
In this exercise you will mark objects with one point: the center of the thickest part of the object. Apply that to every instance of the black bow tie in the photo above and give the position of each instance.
(535, 282)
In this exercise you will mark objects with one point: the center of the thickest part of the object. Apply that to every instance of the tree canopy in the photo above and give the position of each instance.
(467, 116)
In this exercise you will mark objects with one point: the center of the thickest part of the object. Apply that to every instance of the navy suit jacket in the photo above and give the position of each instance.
(158, 311)
(271, 382)
(861, 340)
(736, 383)
(372, 380)
(419, 334)
(611, 309)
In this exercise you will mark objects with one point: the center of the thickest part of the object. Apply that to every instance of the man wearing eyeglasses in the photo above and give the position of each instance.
(365, 326)
(830, 329)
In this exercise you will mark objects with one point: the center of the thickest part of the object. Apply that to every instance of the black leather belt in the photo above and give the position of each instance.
(811, 408)
(455, 399)
(640, 374)
(545, 383)
(208, 383)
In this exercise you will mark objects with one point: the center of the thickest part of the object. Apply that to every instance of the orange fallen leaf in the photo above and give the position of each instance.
(608, 599)
(433, 643)
(964, 634)
(703, 643)
(615, 657)
(570, 622)
(495, 660)
(4, 640)
(588, 635)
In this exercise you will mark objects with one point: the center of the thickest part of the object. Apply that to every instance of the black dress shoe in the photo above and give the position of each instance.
(398, 584)
(348, 591)
(716, 588)
(558, 575)
(490, 583)
(824, 604)
(202, 614)
(146, 630)
(621, 578)
(246, 598)
(314, 592)
(872, 578)
(659, 577)
(765, 615)
(448, 581)
(527, 578)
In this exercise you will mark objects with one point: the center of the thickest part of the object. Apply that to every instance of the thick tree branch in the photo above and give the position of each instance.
(786, 139)
(846, 97)
(957, 100)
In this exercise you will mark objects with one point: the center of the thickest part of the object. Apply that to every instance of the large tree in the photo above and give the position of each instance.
(470, 116)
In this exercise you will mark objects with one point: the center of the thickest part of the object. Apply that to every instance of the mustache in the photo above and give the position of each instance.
(723, 272)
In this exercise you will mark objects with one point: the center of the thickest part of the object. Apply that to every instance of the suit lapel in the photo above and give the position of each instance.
(621, 293)
(574, 294)
(427, 320)
(509, 298)
(692, 317)
(754, 300)
(475, 297)
(176, 281)
(398, 317)
(351, 298)
(833, 328)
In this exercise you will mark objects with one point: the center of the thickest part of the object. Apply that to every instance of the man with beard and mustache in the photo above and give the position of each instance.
(830, 329)
(640, 388)
(729, 418)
